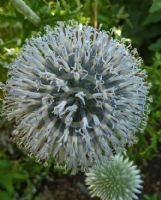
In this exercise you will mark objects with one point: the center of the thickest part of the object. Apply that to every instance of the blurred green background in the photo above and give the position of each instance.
(139, 21)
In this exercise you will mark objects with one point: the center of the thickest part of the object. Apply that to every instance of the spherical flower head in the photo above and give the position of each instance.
(115, 179)
(76, 94)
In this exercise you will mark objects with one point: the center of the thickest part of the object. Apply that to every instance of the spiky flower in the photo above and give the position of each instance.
(115, 179)
(76, 94)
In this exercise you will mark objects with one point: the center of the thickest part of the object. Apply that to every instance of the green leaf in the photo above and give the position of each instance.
(5, 196)
(6, 182)
(156, 46)
(4, 164)
(152, 18)
(19, 176)
(156, 6)
(154, 197)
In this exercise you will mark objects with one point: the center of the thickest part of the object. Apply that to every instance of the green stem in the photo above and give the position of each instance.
(24, 9)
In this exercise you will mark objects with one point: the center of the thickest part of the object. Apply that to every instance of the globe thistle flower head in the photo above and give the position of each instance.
(115, 179)
(76, 94)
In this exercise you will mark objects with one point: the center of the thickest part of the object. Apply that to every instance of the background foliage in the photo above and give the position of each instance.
(140, 22)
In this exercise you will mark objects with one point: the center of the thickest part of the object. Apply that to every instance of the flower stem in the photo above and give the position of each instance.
(95, 13)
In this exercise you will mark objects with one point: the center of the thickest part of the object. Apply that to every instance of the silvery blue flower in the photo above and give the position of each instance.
(76, 94)
(115, 179)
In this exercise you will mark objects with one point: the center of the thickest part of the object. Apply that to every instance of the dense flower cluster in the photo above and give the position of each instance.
(76, 94)
(116, 179)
